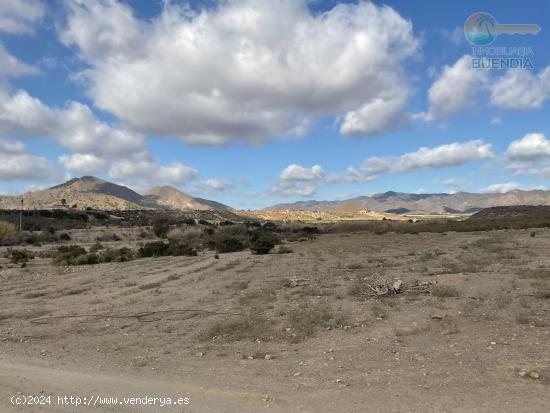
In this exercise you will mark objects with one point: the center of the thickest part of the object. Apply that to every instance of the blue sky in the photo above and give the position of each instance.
(233, 102)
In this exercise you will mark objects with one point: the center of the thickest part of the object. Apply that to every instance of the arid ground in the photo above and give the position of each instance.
(299, 331)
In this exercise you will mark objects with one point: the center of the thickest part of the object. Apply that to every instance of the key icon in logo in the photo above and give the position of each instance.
(481, 29)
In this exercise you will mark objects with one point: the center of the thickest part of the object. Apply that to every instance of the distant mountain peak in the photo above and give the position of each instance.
(92, 192)
(86, 179)
(171, 197)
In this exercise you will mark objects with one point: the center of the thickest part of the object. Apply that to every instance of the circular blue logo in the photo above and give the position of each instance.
(479, 29)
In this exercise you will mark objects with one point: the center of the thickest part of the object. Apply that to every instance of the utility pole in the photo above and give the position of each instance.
(21, 218)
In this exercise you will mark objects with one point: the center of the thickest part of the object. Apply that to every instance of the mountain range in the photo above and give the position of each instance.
(95, 193)
(422, 204)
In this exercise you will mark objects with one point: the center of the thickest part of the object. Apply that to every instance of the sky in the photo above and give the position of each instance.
(258, 102)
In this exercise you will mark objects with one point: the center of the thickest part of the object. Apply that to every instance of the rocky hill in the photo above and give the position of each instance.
(170, 197)
(424, 204)
(92, 192)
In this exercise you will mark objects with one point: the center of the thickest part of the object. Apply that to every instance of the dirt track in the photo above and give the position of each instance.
(29, 379)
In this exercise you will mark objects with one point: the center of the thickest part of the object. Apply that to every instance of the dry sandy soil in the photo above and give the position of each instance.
(251, 340)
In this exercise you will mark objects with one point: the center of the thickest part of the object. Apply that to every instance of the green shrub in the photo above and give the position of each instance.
(263, 244)
(161, 226)
(228, 243)
(178, 249)
(117, 255)
(67, 254)
(44, 237)
(96, 247)
(154, 249)
(163, 249)
(87, 259)
(19, 256)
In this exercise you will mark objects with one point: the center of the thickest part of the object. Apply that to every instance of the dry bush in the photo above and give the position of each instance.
(7, 230)
(306, 319)
(251, 327)
(186, 234)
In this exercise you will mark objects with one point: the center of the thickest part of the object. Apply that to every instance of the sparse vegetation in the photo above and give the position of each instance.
(117, 255)
(163, 249)
(225, 242)
(19, 256)
(263, 244)
(7, 230)
(445, 291)
(161, 226)
(306, 319)
(250, 327)
(68, 255)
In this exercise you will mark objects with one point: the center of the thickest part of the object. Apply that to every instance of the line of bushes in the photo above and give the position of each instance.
(77, 255)
(233, 238)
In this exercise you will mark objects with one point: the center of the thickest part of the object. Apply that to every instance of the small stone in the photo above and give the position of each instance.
(268, 357)
(199, 354)
(534, 375)
(493, 343)
(420, 359)
(339, 381)
(522, 373)
(250, 358)
(437, 317)
(297, 374)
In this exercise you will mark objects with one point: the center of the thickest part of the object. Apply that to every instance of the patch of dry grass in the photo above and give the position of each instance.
(445, 291)
(249, 327)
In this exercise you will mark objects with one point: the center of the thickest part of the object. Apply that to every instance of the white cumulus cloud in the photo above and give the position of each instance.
(452, 154)
(530, 155)
(237, 71)
(18, 16)
(10, 66)
(143, 171)
(521, 89)
(298, 181)
(296, 172)
(83, 163)
(74, 126)
(18, 165)
(501, 188)
(454, 89)
(460, 86)
(532, 146)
